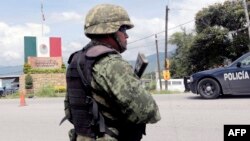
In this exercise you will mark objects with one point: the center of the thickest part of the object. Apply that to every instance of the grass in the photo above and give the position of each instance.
(11, 96)
(16, 95)
(165, 92)
(46, 91)
(49, 91)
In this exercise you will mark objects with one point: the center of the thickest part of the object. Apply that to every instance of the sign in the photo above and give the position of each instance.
(45, 62)
(236, 132)
(236, 76)
(166, 74)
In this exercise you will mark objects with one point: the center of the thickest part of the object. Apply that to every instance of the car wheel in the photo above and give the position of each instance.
(208, 88)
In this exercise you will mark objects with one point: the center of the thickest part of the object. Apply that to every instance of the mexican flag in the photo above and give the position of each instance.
(42, 47)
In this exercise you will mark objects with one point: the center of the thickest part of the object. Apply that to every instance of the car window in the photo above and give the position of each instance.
(246, 62)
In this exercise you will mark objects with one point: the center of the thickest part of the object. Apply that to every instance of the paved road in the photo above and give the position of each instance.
(185, 117)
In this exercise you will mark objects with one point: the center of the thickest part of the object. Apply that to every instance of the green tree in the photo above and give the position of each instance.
(180, 63)
(28, 82)
(221, 34)
(209, 49)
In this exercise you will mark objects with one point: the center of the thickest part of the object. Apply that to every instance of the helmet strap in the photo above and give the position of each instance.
(118, 41)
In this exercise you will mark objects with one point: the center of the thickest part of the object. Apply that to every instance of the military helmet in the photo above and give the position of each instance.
(106, 19)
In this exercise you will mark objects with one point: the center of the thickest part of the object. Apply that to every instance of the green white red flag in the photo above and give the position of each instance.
(42, 47)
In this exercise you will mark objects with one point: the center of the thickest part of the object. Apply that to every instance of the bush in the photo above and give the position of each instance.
(46, 91)
(63, 66)
(151, 86)
(60, 89)
(39, 70)
(51, 91)
(28, 82)
(26, 68)
(11, 96)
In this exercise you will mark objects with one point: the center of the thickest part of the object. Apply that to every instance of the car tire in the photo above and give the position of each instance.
(208, 88)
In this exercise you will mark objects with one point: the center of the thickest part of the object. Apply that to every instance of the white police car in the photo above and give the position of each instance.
(233, 79)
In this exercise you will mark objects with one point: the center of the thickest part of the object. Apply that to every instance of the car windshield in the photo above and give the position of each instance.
(243, 57)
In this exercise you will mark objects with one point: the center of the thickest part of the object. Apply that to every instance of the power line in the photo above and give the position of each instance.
(182, 9)
(160, 32)
(145, 37)
(150, 44)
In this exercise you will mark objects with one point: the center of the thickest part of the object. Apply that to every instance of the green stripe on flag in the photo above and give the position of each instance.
(29, 47)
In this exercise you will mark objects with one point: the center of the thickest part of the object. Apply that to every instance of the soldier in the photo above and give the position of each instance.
(105, 100)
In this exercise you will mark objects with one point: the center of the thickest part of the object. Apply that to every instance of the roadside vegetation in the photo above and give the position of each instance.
(165, 92)
(220, 34)
(46, 91)
(151, 87)
(28, 70)
(60, 91)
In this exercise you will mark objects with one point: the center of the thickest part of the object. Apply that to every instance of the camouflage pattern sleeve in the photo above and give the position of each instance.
(117, 78)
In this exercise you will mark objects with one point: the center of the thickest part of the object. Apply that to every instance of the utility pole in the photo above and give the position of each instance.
(247, 18)
(166, 44)
(158, 62)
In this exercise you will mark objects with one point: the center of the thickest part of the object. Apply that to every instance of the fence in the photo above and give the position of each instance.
(173, 85)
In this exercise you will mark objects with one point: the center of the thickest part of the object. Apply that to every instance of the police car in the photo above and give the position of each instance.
(233, 79)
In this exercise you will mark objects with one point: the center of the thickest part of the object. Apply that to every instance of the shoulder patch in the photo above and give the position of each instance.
(98, 50)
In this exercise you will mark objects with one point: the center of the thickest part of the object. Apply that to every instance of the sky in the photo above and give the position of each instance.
(65, 19)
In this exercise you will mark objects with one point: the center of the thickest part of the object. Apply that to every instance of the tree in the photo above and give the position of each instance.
(209, 49)
(28, 82)
(221, 34)
(180, 63)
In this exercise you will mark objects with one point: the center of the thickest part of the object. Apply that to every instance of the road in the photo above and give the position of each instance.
(185, 117)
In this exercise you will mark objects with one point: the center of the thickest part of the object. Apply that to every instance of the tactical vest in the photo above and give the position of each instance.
(83, 109)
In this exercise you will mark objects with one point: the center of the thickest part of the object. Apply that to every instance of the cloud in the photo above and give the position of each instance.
(181, 15)
(66, 16)
(74, 45)
(69, 48)
(9, 55)
(11, 41)
(185, 10)
(11, 35)
(142, 37)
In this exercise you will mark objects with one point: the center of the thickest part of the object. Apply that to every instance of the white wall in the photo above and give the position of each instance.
(173, 85)
(1, 83)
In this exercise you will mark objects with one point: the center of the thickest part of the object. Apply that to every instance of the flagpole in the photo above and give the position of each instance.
(42, 16)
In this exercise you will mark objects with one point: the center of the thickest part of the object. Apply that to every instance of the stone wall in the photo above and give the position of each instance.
(41, 80)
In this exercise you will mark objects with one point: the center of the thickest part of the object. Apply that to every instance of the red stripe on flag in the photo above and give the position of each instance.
(55, 47)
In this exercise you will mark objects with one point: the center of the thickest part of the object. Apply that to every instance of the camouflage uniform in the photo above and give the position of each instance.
(116, 86)
(116, 79)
